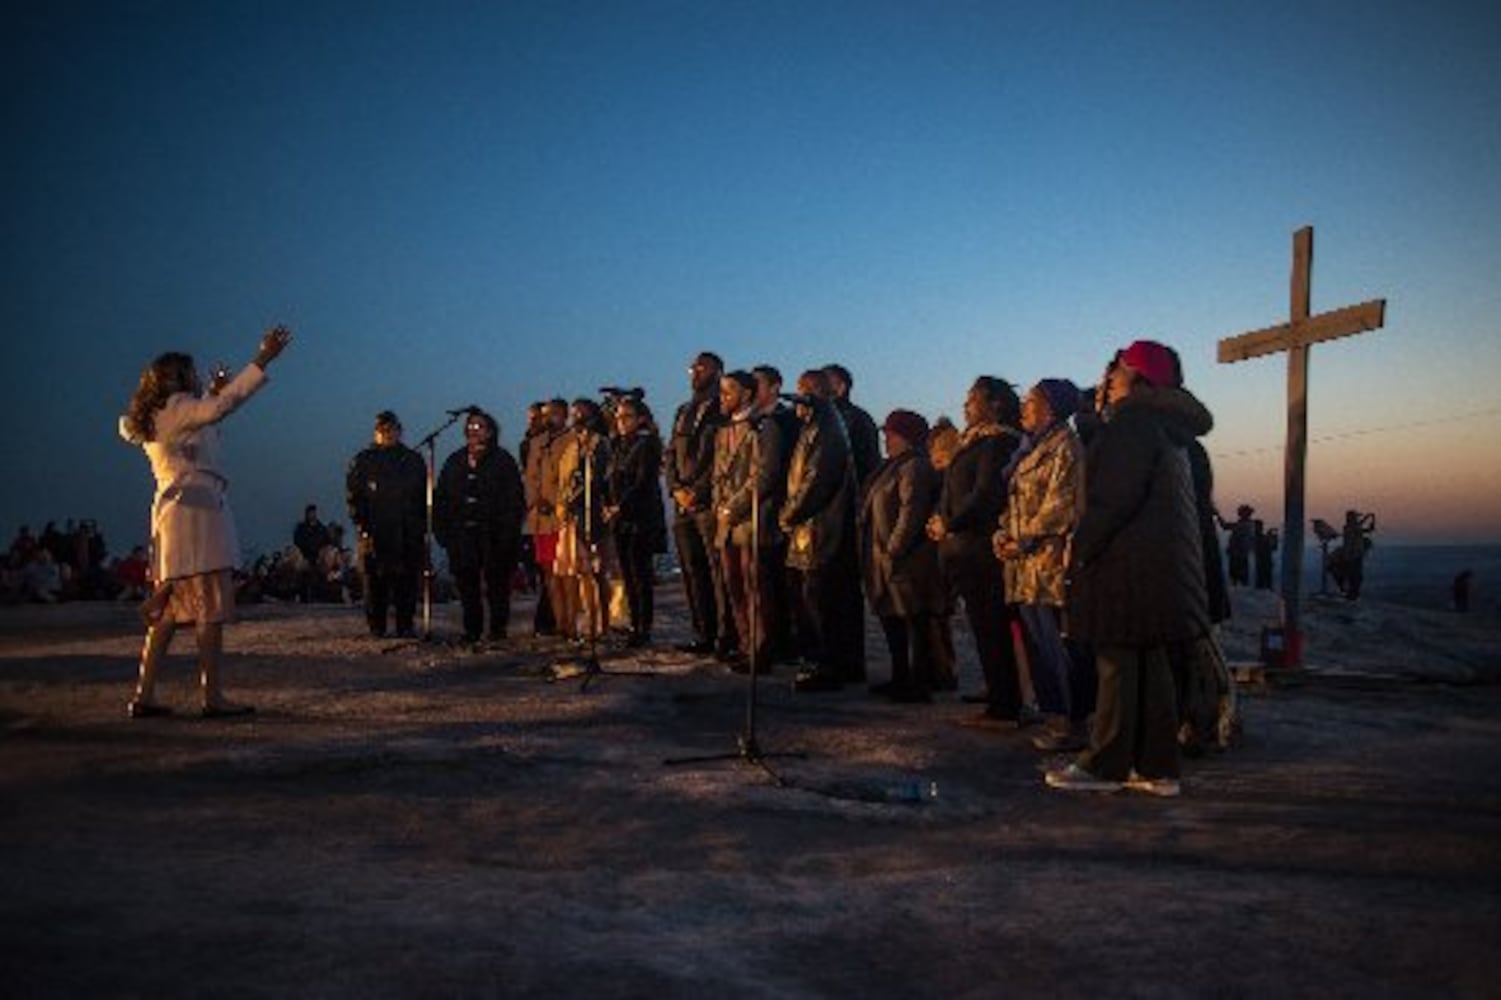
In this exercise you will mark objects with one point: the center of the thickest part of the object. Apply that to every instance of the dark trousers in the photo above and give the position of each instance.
(638, 575)
(544, 620)
(694, 536)
(917, 651)
(749, 581)
(385, 586)
(983, 591)
(837, 638)
(485, 578)
(1136, 715)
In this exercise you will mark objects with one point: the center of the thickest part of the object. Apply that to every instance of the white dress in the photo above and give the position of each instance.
(192, 528)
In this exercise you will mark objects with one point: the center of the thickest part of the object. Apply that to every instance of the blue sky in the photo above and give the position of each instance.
(487, 203)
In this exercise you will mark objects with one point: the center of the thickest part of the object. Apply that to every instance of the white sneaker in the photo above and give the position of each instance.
(1163, 788)
(1074, 778)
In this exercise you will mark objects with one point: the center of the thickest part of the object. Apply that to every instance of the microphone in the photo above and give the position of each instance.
(471, 408)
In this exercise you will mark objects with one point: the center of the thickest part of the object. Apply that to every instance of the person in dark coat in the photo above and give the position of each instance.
(478, 505)
(1241, 544)
(1137, 574)
(772, 559)
(385, 488)
(969, 508)
(689, 470)
(634, 512)
(859, 426)
(819, 521)
(899, 562)
(748, 485)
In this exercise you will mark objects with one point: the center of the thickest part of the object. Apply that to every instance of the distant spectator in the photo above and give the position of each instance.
(22, 546)
(131, 575)
(42, 579)
(1347, 563)
(1266, 554)
(309, 535)
(1241, 544)
(1462, 581)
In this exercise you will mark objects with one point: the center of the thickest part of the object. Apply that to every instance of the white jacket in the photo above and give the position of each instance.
(192, 529)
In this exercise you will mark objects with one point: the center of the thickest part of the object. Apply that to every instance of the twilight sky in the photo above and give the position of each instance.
(490, 203)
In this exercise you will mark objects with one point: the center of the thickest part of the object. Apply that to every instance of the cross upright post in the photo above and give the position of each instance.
(1296, 337)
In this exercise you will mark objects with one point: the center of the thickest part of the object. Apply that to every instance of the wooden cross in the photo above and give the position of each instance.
(1296, 338)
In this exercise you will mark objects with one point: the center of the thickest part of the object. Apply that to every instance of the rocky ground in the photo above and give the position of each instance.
(425, 821)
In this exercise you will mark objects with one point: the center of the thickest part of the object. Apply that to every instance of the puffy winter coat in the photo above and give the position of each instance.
(1137, 573)
(386, 492)
(898, 561)
(1044, 500)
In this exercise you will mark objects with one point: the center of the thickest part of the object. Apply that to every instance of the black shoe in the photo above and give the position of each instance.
(636, 640)
(885, 688)
(226, 711)
(978, 698)
(910, 696)
(724, 654)
(148, 710)
(497, 637)
(406, 633)
(739, 663)
(377, 633)
(1028, 716)
(816, 680)
(698, 647)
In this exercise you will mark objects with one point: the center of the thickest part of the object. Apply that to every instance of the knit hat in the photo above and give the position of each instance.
(909, 426)
(1062, 396)
(1152, 361)
(386, 418)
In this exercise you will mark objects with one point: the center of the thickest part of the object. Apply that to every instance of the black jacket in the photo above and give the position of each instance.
(690, 451)
(819, 515)
(974, 494)
(899, 562)
(864, 438)
(634, 485)
(1137, 575)
(386, 492)
(477, 511)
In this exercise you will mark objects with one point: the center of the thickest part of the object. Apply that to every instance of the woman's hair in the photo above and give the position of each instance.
(169, 374)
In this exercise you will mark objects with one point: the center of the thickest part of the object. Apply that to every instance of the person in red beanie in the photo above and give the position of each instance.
(899, 562)
(1136, 581)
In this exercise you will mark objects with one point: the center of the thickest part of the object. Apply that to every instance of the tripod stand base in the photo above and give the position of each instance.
(748, 751)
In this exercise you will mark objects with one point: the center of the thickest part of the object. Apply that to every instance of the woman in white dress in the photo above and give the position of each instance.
(194, 548)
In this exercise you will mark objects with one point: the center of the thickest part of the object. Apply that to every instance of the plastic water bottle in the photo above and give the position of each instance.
(913, 792)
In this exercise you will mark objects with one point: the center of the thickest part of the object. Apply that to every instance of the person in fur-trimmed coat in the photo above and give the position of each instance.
(1137, 574)
(1044, 501)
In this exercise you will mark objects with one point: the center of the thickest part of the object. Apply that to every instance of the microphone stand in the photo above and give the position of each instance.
(748, 748)
(430, 443)
(600, 613)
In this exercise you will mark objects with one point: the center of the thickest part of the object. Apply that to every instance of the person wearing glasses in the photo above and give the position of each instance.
(478, 504)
